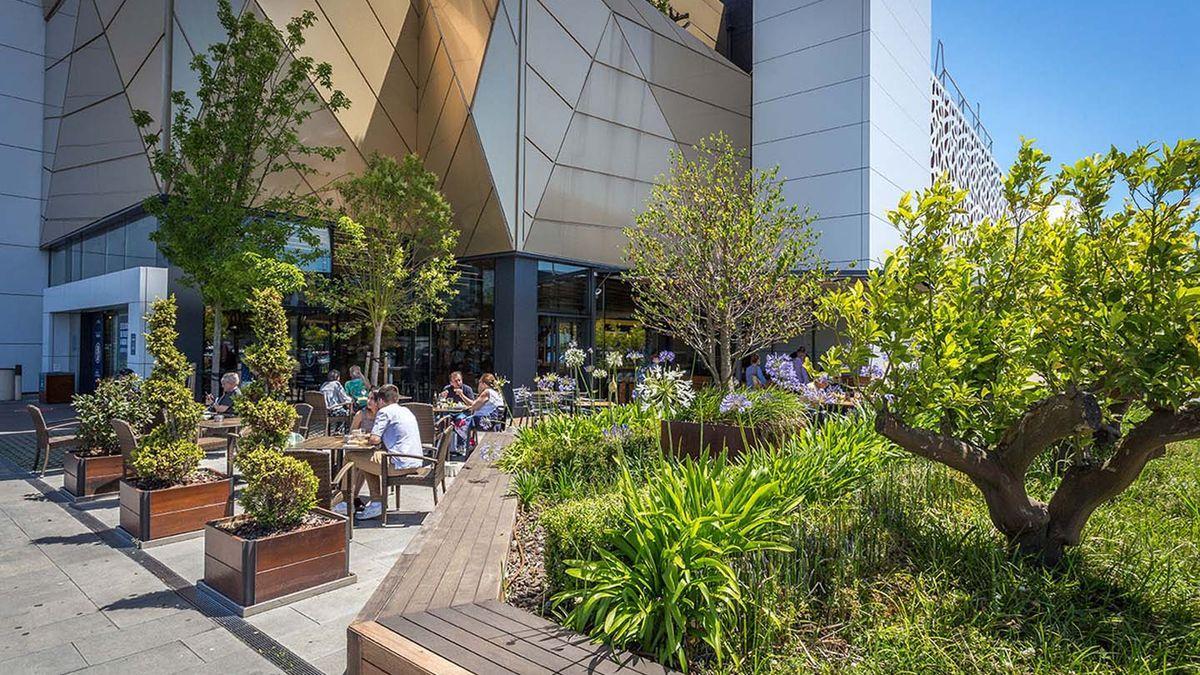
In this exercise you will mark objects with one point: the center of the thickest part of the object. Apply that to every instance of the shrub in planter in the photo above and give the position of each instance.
(733, 420)
(96, 466)
(575, 530)
(282, 544)
(170, 495)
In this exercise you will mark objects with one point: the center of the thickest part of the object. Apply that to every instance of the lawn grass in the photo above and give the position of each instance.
(908, 576)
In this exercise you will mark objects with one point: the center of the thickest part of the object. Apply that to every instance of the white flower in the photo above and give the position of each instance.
(599, 373)
(574, 357)
(614, 360)
(664, 390)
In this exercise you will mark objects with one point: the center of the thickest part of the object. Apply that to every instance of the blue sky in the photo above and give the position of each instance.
(1077, 76)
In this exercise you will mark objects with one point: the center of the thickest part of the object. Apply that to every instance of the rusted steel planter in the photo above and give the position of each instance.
(85, 476)
(691, 439)
(250, 573)
(147, 515)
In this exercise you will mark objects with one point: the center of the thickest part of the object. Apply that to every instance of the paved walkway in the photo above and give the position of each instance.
(73, 597)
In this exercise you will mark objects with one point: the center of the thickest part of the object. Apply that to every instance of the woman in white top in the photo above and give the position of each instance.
(481, 408)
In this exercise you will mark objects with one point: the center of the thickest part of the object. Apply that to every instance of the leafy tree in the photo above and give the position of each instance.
(394, 253)
(280, 490)
(1071, 322)
(168, 454)
(718, 260)
(220, 223)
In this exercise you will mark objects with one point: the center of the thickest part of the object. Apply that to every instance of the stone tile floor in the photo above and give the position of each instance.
(74, 598)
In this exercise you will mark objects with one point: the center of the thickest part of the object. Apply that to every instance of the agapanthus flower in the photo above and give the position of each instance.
(599, 373)
(633, 355)
(666, 356)
(574, 357)
(782, 373)
(871, 370)
(614, 360)
(617, 432)
(736, 403)
(664, 390)
(501, 381)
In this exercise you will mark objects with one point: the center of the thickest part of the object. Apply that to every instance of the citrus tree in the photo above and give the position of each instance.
(1071, 323)
(718, 260)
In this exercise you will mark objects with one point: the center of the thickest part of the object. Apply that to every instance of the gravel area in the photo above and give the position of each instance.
(526, 583)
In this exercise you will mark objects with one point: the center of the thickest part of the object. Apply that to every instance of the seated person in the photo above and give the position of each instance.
(337, 401)
(364, 420)
(223, 405)
(480, 409)
(356, 387)
(396, 429)
(457, 392)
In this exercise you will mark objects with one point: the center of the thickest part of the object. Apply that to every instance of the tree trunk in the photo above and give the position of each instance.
(376, 355)
(724, 365)
(215, 365)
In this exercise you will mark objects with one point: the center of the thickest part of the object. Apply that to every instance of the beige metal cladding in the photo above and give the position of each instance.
(546, 120)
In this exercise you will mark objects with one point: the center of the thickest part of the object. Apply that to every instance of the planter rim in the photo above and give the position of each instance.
(76, 454)
(324, 512)
(128, 483)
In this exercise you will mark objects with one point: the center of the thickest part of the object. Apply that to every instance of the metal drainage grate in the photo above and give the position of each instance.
(266, 646)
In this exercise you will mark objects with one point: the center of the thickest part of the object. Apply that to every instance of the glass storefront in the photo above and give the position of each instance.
(107, 250)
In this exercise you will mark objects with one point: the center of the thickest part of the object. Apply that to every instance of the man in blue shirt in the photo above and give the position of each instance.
(754, 375)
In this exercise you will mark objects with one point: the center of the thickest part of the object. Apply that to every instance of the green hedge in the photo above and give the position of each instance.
(574, 530)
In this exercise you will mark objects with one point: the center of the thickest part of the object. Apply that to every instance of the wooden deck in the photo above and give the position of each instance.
(439, 609)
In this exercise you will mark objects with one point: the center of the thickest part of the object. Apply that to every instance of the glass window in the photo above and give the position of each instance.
(93, 256)
(58, 266)
(115, 249)
(562, 289)
(139, 250)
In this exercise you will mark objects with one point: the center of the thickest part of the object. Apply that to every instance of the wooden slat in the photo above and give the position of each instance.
(446, 649)
(492, 575)
(531, 651)
(384, 649)
(482, 524)
(549, 637)
(502, 655)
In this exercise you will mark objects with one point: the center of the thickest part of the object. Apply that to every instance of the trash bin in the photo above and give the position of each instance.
(58, 387)
(8, 384)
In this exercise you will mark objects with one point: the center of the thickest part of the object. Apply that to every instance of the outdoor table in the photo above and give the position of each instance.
(338, 446)
(230, 427)
(448, 410)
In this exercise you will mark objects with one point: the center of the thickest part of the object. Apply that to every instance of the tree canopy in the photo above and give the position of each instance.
(718, 260)
(1069, 323)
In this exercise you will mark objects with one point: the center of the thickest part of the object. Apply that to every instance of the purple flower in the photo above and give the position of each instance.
(617, 432)
(738, 403)
(782, 373)
(633, 355)
(666, 356)
(871, 370)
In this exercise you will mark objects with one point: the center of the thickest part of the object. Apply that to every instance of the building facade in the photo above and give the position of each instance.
(546, 120)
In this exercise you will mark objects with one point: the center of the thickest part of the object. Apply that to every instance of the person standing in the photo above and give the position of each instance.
(754, 376)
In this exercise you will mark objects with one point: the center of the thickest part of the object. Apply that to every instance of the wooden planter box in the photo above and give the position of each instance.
(155, 514)
(250, 572)
(690, 439)
(91, 476)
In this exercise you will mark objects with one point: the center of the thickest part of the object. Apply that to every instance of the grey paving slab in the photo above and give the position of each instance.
(282, 620)
(102, 648)
(168, 658)
(240, 663)
(333, 664)
(49, 661)
(140, 608)
(213, 645)
(22, 641)
(45, 612)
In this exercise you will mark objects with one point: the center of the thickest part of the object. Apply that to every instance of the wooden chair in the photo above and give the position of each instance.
(127, 440)
(304, 413)
(322, 466)
(426, 422)
(46, 441)
(320, 417)
(431, 475)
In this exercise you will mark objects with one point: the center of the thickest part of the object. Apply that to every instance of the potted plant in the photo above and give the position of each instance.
(97, 466)
(281, 548)
(731, 421)
(169, 494)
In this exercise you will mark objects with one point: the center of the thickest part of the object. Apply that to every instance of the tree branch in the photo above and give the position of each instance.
(1046, 422)
(953, 452)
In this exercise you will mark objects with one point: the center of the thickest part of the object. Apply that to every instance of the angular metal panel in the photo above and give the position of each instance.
(577, 241)
(468, 185)
(495, 116)
(81, 195)
(87, 25)
(584, 19)
(537, 174)
(464, 26)
(93, 76)
(60, 32)
(580, 196)
(668, 63)
(100, 132)
(604, 147)
(133, 33)
(555, 55)
(437, 89)
(490, 235)
(108, 9)
(693, 119)
(619, 97)
(613, 50)
(145, 91)
(547, 115)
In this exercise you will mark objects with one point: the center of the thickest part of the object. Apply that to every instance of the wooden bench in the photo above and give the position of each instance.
(439, 609)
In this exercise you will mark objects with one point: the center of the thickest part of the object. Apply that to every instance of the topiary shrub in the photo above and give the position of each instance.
(280, 490)
(167, 455)
(114, 398)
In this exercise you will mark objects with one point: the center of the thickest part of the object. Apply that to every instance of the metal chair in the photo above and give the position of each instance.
(127, 440)
(431, 475)
(47, 441)
(304, 413)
